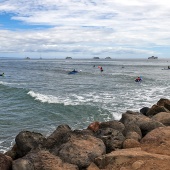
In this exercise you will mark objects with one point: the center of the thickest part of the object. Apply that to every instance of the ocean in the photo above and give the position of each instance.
(39, 95)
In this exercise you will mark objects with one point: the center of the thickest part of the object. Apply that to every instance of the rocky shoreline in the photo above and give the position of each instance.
(138, 141)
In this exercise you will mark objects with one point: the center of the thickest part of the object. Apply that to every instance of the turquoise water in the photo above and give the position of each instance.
(39, 95)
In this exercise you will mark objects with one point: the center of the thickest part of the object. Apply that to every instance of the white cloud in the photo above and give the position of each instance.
(88, 26)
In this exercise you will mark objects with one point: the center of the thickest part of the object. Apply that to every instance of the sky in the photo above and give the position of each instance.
(85, 28)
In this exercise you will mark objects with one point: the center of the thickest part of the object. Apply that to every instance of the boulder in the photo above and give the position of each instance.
(149, 126)
(41, 160)
(22, 164)
(165, 103)
(26, 141)
(133, 118)
(132, 127)
(5, 162)
(144, 110)
(13, 152)
(157, 141)
(133, 159)
(94, 126)
(130, 143)
(163, 117)
(143, 122)
(57, 137)
(133, 135)
(155, 109)
(80, 149)
(114, 124)
(113, 139)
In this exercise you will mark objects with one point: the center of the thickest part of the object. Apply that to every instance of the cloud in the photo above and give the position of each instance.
(104, 27)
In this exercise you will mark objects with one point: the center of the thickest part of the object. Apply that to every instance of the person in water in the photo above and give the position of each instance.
(138, 79)
(101, 69)
(168, 67)
(2, 74)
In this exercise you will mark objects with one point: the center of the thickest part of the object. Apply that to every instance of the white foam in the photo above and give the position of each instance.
(115, 103)
(43, 98)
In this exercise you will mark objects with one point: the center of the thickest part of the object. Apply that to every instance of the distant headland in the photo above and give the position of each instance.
(153, 57)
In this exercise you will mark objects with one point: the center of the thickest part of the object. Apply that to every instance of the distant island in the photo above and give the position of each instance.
(27, 58)
(68, 58)
(108, 58)
(96, 58)
(152, 57)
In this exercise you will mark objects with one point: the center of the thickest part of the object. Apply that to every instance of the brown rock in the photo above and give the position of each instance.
(132, 159)
(22, 164)
(132, 127)
(41, 160)
(114, 124)
(130, 143)
(80, 150)
(155, 109)
(13, 152)
(165, 103)
(93, 166)
(133, 135)
(5, 162)
(94, 126)
(144, 123)
(138, 164)
(163, 117)
(157, 141)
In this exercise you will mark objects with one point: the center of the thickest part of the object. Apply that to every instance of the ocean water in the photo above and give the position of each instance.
(38, 95)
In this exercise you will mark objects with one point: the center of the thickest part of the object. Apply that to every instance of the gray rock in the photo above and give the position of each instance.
(113, 139)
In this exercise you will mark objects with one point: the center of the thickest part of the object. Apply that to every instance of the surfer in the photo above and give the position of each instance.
(73, 72)
(138, 79)
(101, 69)
(2, 74)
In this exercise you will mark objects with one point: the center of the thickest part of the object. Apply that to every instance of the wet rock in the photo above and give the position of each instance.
(27, 140)
(57, 137)
(144, 110)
